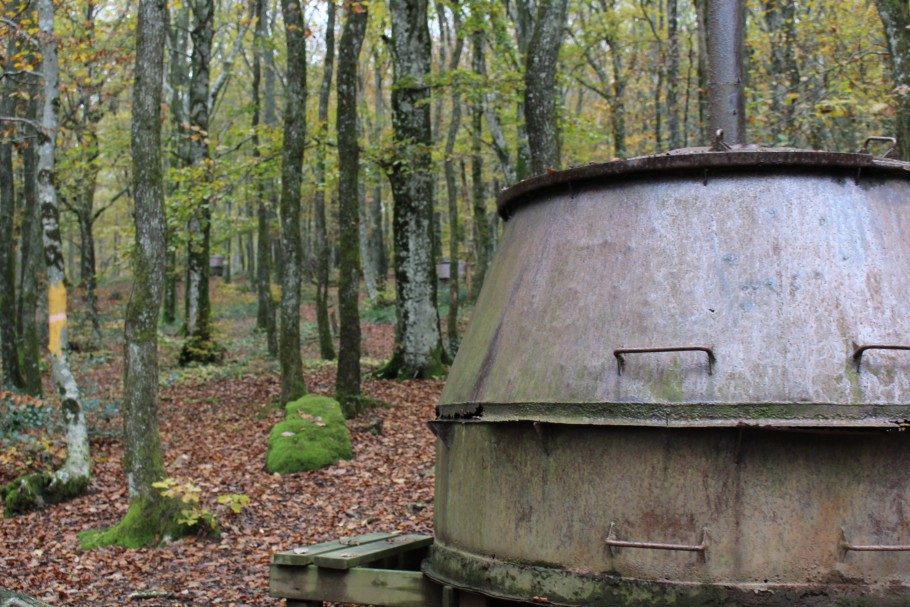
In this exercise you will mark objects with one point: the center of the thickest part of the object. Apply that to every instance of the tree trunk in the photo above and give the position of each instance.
(87, 264)
(895, 16)
(8, 340)
(540, 111)
(452, 184)
(377, 231)
(265, 312)
(673, 75)
(151, 518)
(30, 248)
(780, 21)
(347, 379)
(178, 76)
(702, 27)
(418, 345)
(524, 29)
(367, 263)
(35, 490)
(142, 455)
(292, 382)
(199, 346)
(323, 327)
(478, 191)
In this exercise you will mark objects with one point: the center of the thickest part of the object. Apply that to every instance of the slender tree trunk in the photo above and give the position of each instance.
(482, 235)
(152, 518)
(30, 248)
(377, 231)
(452, 183)
(265, 315)
(34, 490)
(702, 27)
(200, 346)
(143, 457)
(178, 76)
(895, 16)
(367, 263)
(673, 75)
(8, 340)
(323, 327)
(418, 344)
(540, 111)
(87, 264)
(347, 379)
(524, 30)
(292, 382)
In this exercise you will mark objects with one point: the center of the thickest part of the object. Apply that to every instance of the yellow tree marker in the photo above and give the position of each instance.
(56, 317)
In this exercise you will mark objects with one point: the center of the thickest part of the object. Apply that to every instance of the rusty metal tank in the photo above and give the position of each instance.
(684, 383)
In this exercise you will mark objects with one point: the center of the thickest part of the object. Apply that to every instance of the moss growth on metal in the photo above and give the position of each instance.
(312, 435)
(36, 490)
(147, 523)
(668, 387)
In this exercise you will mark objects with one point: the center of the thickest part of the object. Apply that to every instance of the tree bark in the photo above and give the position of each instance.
(292, 382)
(418, 345)
(73, 476)
(702, 30)
(8, 339)
(895, 16)
(142, 455)
(323, 327)
(347, 378)
(178, 76)
(540, 111)
(198, 315)
(265, 313)
(451, 182)
(482, 236)
(780, 21)
(673, 75)
(30, 248)
(377, 231)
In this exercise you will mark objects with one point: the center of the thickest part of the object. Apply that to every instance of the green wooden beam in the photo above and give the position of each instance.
(302, 557)
(359, 585)
(353, 556)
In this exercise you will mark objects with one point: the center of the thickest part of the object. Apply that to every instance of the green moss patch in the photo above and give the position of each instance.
(147, 523)
(36, 490)
(201, 351)
(312, 435)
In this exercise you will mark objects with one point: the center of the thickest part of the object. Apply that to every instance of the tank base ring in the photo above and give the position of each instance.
(541, 584)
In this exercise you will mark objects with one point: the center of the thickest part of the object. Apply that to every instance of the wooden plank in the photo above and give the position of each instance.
(359, 585)
(301, 557)
(354, 556)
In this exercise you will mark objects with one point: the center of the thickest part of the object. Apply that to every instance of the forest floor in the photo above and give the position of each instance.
(214, 422)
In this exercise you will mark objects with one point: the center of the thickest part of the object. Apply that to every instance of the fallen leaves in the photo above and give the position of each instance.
(214, 434)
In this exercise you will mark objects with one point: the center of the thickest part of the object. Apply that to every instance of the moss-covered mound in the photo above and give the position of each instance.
(201, 351)
(148, 524)
(36, 490)
(313, 435)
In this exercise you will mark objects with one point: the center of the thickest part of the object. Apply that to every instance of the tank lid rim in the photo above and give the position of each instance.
(697, 158)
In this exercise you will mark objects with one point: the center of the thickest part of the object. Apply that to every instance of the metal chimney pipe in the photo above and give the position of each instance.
(726, 99)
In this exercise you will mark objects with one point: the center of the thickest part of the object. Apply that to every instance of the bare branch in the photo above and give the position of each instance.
(25, 121)
(19, 31)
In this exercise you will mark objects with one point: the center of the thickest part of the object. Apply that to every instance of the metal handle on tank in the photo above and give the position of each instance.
(846, 546)
(858, 351)
(621, 362)
(614, 543)
(888, 154)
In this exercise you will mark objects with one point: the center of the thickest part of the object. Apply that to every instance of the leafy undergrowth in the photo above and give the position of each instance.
(213, 428)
